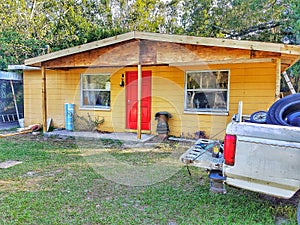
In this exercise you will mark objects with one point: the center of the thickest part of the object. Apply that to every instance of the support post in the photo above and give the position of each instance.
(278, 77)
(139, 117)
(15, 100)
(44, 99)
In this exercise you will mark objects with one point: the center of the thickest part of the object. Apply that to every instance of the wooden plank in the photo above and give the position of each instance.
(278, 77)
(227, 43)
(288, 61)
(251, 92)
(253, 79)
(139, 116)
(252, 99)
(254, 86)
(225, 61)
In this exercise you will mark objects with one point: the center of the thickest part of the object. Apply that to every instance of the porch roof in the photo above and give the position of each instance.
(289, 54)
(10, 76)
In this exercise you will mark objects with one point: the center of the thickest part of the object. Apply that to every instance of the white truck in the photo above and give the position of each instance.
(259, 157)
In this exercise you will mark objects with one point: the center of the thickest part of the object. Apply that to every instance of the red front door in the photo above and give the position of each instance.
(132, 100)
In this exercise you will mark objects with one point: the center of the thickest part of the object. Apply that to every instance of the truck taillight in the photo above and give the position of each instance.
(229, 149)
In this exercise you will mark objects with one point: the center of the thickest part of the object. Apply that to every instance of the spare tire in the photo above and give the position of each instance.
(296, 122)
(281, 109)
(291, 106)
(292, 116)
(271, 119)
(258, 117)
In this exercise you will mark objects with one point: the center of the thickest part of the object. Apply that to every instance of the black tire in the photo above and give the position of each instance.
(292, 116)
(288, 107)
(271, 112)
(258, 117)
(279, 111)
(296, 122)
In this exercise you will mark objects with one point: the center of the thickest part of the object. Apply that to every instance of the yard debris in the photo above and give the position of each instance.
(9, 163)
(26, 130)
(31, 128)
(81, 123)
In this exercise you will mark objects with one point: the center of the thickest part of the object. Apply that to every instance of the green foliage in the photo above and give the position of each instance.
(15, 47)
(66, 23)
(253, 20)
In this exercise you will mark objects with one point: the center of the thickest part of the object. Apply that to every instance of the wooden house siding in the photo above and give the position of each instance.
(32, 84)
(254, 84)
(254, 95)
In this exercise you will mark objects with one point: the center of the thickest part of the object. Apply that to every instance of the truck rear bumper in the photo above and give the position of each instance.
(282, 192)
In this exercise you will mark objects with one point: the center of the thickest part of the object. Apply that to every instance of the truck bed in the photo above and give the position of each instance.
(267, 158)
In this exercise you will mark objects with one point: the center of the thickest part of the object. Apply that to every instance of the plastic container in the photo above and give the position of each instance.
(69, 116)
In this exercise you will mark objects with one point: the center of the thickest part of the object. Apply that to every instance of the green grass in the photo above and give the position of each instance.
(56, 185)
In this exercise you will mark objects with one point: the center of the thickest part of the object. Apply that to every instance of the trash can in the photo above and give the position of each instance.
(162, 123)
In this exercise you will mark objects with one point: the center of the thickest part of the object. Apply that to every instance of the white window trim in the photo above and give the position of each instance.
(94, 107)
(210, 111)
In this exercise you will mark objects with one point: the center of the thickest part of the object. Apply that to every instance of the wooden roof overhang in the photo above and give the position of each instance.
(152, 49)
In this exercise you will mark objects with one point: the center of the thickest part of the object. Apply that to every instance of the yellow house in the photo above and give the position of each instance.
(128, 78)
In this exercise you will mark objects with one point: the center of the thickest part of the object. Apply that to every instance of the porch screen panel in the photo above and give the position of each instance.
(206, 91)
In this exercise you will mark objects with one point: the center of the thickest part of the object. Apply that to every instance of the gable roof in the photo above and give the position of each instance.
(179, 39)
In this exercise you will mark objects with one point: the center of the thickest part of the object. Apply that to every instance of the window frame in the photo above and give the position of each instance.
(210, 111)
(94, 107)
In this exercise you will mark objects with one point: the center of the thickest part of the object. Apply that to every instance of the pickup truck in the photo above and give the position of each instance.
(259, 157)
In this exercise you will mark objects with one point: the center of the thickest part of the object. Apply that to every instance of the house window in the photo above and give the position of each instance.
(95, 91)
(207, 91)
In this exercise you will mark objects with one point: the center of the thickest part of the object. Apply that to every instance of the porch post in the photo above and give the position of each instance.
(139, 117)
(44, 99)
(278, 77)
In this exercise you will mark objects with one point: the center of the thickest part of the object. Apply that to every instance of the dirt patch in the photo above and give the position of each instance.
(30, 184)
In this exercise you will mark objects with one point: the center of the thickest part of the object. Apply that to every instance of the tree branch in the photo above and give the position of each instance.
(32, 9)
(259, 27)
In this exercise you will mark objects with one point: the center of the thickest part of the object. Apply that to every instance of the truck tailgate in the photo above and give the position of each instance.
(206, 154)
(267, 158)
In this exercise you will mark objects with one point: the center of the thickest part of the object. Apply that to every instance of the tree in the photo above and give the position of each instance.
(263, 20)
(65, 23)
(16, 47)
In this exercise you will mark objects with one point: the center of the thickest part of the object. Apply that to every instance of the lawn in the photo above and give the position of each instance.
(101, 182)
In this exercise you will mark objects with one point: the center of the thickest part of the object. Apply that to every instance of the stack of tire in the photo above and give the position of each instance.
(285, 111)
